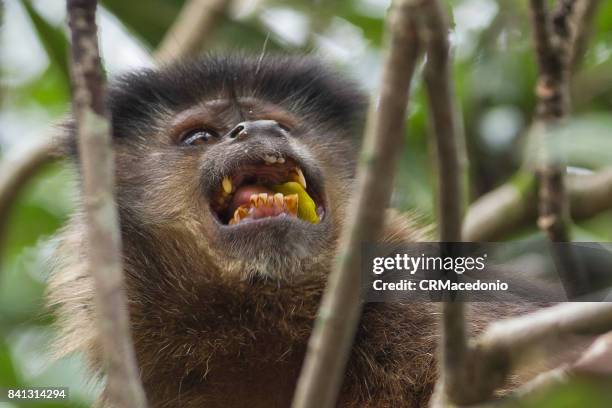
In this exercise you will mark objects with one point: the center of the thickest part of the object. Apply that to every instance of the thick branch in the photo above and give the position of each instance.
(104, 255)
(196, 21)
(451, 161)
(511, 205)
(336, 322)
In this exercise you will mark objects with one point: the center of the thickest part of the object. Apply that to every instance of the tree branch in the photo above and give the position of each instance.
(593, 364)
(15, 173)
(512, 205)
(123, 389)
(334, 329)
(501, 210)
(553, 39)
(502, 344)
(451, 163)
(514, 336)
(196, 21)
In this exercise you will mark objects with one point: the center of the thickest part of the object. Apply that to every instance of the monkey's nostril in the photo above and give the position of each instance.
(236, 131)
(258, 127)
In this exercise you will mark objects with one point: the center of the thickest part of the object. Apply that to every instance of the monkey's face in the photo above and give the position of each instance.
(264, 186)
(257, 181)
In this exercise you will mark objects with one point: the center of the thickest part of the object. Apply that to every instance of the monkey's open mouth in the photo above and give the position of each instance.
(274, 187)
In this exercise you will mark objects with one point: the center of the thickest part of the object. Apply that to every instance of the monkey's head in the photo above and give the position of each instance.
(248, 162)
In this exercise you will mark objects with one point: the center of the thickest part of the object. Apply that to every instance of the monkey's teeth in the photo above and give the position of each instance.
(227, 185)
(291, 203)
(298, 176)
(239, 214)
(262, 200)
(270, 159)
(264, 205)
(278, 199)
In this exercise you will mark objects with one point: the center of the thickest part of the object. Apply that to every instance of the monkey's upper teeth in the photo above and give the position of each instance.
(227, 185)
(270, 159)
(298, 176)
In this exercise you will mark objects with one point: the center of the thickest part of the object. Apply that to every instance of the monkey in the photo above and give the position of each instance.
(224, 270)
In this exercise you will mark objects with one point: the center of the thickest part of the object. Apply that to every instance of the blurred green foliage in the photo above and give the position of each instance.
(494, 72)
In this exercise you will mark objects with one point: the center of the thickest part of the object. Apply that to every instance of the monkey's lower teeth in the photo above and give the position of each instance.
(266, 205)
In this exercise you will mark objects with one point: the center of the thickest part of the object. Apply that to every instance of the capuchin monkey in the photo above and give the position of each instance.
(233, 180)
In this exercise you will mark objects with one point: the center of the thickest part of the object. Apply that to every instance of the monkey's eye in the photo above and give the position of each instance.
(197, 137)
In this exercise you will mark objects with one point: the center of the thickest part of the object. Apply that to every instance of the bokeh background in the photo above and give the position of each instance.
(494, 70)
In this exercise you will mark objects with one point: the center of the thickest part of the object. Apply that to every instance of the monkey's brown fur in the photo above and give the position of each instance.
(218, 324)
(206, 341)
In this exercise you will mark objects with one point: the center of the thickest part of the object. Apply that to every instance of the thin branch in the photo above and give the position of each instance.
(554, 36)
(196, 21)
(597, 360)
(451, 162)
(123, 389)
(16, 172)
(447, 132)
(503, 343)
(516, 335)
(594, 364)
(512, 205)
(334, 329)
(553, 42)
